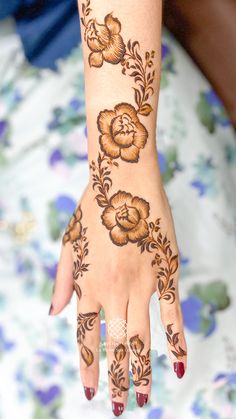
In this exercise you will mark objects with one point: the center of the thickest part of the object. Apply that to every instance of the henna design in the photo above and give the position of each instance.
(144, 78)
(80, 248)
(74, 227)
(173, 341)
(104, 40)
(141, 367)
(122, 134)
(76, 235)
(116, 372)
(77, 290)
(165, 260)
(125, 217)
(85, 322)
(101, 178)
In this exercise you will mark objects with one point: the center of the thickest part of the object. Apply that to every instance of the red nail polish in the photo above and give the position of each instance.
(179, 369)
(89, 392)
(117, 408)
(50, 310)
(141, 399)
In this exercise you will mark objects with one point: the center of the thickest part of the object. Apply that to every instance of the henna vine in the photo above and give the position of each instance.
(141, 367)
(76, 235)
(144, 78)
(173, 340)
(167, 262)
(116, 372)
(80, 248)
(101, 178)
(85, 323)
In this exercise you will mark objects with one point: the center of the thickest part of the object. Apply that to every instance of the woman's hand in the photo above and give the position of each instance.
(118, 250)
(120, 245)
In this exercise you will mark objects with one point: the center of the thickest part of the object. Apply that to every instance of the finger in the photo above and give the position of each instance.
(117, 354)
(138, 335)
(63, 287)
(172, 320)
(88, 339)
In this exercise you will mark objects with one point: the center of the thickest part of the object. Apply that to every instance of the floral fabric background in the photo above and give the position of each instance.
(43, 171)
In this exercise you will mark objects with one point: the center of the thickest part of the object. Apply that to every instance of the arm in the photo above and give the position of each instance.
(120, 246)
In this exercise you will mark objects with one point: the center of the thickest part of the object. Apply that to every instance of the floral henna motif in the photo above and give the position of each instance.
(104, 40)
(74, 227)
(141, 366)
(101, 178)
(85, 322)
(165, 260)
(125, 217)
(116, 372)
(173, 340)
(122, 134)
(144, 78)
(80, 248)
(76, 235)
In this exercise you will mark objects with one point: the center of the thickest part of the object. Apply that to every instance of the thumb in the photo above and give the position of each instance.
(63, 288)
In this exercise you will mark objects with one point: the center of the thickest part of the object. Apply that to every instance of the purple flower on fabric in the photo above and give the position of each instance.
(5, 344)
(191, 309)
(55, 157)
(76, 103)
(48, 396)
(48, 357)
(103, 329)
(162, 162)
(156, 413)
(165, 50)
(51, 271)
(64, 203)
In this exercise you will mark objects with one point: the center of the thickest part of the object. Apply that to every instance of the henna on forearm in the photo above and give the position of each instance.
(123, 135)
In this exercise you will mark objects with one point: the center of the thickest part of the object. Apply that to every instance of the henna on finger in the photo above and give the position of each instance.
(173, 340)
(116, 372)
(85, 323)
(177, 351)
(141, 366)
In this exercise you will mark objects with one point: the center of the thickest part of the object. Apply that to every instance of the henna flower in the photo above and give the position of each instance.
(74, 227)
(125, 218)
(122, 133)
(104, 41)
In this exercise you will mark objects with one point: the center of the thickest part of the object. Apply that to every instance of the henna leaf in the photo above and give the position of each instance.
(87, 355)
(77, 290)
(160, 285)
(175, 338)
(136, 345)
(145, 109)
(120, 352)
(169, 328)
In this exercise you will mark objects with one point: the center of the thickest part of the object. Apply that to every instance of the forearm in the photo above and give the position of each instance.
(122, 60)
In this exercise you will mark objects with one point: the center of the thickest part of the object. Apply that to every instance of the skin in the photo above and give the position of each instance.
(120, 245)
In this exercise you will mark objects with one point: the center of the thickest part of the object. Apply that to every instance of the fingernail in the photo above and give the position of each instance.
(50, 310)
(117, 408)
(179, 369)
(89, 392)
(141, 399)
